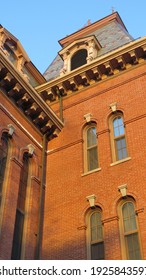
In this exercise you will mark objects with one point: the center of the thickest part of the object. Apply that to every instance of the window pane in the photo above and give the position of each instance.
(94, 234)
(20, 212)
(96, 227)
(116, 131)
(91, 137)
(100, 232)
(121, 148)
(92, 159)
(94, 219)
(129, 217)
(118, 126)
(97, 251)
(23, 183)
(96, 231)
(17, 239)
(121, 130)
(133, 247)
(115, 122)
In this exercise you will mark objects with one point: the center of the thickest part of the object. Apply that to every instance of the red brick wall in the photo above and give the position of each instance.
(64, 234)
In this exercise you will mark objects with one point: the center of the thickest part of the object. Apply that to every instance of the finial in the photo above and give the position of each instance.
(113, 9)
(87, 23)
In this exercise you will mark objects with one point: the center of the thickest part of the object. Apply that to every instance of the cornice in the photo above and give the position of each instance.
(102, 68)
(27, 99)
(80, 141)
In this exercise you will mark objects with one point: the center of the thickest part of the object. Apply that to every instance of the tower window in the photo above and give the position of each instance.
(79, 59)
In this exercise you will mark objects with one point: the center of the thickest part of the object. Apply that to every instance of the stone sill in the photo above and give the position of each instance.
(90, 172)
(120, 161)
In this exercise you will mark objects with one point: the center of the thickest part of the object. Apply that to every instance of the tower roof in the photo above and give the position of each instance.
(110, 32)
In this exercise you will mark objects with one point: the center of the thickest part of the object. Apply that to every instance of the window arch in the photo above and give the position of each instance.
(90, 148)
(3, 160)
(78, 59)
(20, 211)
(118, 137)
(129, 231)
(95, 241)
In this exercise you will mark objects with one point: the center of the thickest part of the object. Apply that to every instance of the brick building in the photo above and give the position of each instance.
(27, 124)
(84, 198)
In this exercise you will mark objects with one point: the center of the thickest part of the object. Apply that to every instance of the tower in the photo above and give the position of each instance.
(95, 198)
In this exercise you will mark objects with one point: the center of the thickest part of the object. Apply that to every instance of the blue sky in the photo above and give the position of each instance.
(38, 25)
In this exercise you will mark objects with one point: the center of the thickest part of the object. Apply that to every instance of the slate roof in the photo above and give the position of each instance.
(111, 37)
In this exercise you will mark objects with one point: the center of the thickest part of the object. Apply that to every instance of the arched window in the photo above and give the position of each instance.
(3, 160)
(79, 59)
(11, 54)
(90, 148)
(118, 138)
(20, 211)
(95, 243)
(129, 231)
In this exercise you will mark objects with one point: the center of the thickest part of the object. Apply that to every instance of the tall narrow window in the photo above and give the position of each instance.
(130, 231)
(91, 156)
(20, 212)
(96, 244)
(3, 159)
(79, 59)
(118, 138)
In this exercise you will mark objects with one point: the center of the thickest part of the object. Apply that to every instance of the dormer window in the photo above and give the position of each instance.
(10, 53)
(78, 59)
(79, 53)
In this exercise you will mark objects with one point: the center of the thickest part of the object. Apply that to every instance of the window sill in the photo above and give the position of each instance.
(120, 161)
(90, 172)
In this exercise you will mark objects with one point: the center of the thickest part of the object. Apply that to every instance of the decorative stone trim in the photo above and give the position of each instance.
(113, 107)
(18, 162)
(91, 199)
(87, 117)
(11, 130)
(37, 180)
(82, 228)
(26, 98)
(92, 46)
(138, 211)
(123, 190)
(111, 219)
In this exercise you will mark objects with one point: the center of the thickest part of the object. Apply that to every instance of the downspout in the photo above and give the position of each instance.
(60, 103)
(41, 202)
